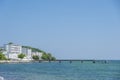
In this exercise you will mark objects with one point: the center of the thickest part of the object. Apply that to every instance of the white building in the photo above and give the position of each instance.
(38, 54)
(27, 52)
(13, 50)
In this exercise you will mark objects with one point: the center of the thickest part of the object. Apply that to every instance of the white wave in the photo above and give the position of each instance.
(2, 78)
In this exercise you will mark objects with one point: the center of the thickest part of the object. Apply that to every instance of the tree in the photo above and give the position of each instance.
(45, 56)
(21, 56)
(48, 56)
(35, 57)
(2, 56)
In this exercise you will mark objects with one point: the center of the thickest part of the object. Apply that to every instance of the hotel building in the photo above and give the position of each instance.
(11, 51)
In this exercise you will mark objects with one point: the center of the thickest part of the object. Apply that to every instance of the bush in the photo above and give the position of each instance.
(2, 56)
(48, 57)
(35, 57)
(21, 56)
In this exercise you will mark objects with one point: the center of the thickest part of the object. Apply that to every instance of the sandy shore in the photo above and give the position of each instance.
(15, 61)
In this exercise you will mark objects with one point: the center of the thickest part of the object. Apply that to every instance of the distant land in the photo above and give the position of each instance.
(11, 51)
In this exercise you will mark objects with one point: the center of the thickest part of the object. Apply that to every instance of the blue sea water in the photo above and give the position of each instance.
(61, 71)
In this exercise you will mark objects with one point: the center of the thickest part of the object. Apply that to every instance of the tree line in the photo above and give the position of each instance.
(44, 56)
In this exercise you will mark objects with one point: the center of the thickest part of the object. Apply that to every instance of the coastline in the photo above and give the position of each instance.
(49, 61)
(15, 61)
(18, 61)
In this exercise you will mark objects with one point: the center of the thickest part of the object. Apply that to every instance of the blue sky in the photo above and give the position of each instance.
(69, 29)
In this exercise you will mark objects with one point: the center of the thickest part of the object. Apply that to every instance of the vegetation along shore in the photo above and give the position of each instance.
(12, 53)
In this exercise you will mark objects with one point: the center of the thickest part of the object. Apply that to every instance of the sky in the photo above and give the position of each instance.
(69, 29)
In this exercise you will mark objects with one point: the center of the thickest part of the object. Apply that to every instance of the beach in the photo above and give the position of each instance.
(15, 61)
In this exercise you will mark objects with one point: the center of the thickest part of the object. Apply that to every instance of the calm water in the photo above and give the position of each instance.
(61, 71)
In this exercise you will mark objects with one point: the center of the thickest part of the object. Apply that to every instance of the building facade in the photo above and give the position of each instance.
(11, 51)
(27, 52)
(38, 54)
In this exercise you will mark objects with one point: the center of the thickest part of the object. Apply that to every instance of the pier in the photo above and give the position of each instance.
(73, 60)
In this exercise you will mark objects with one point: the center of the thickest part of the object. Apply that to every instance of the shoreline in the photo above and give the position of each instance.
(59, 61)
(15, 61)
(19, 61)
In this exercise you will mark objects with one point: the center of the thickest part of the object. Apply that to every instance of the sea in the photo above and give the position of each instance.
(61, 71)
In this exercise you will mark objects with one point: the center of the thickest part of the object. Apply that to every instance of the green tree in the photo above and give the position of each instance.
(45, 56)
(35, 57)
(21, 56)
(48, 56)
(2, 56)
